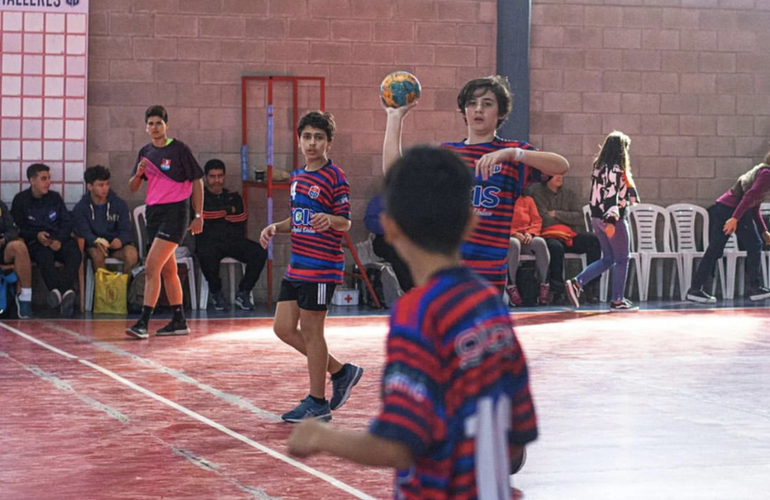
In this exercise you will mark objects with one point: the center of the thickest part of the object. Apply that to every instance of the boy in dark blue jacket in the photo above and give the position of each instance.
(46, 226)
(101, 219)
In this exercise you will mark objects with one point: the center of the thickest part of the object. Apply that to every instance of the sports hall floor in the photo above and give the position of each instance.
(671, 402)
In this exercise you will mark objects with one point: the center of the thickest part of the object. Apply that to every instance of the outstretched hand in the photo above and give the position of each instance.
(266, 235)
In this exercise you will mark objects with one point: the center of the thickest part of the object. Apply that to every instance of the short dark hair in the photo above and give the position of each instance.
(35, 169)
(156, 110)
(214, 164)
(427, 192)
(316, 119)
(96, 173)
(498, 85)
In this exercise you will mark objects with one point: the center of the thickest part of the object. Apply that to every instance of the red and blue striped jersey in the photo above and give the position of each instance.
(486, 250)
(455, 390)
(317, 257)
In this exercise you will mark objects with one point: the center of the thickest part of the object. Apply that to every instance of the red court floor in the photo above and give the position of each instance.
(655, 404)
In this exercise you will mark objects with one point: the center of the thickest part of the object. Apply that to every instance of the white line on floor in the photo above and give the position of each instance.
(269, 451)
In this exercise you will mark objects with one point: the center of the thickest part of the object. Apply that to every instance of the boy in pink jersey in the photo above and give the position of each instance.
(501, 167)
(456, 405)
(320, 213)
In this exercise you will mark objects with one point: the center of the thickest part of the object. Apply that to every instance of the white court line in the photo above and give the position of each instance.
(240, 437)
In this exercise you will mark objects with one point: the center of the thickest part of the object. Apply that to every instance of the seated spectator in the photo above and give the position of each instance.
(525, 228)
(101, 219)
(381, 247)
(558, 205)
(224, 235)
(46, 225)
(14, 252)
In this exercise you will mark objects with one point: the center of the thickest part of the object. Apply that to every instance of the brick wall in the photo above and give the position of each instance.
(189, 55)
(686, 79)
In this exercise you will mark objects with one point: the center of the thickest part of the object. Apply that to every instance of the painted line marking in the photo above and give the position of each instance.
(196, 416)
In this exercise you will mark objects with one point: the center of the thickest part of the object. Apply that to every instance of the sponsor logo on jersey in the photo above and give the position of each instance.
(165, 164)
(485, 196)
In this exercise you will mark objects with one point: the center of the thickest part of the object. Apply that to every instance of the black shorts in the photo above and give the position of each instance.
(168, 221)
(309, 296)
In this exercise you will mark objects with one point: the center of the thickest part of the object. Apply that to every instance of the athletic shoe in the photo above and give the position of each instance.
(138, 330)
(624, 305)
(342, 386)
(67, 304)
(759, 293)
(54, 298)
(308, 408)
(514, 297)
(545, 293)
(698, 295)
(573, 292)
(220, 304)
(174, 328)
(243, 300)
(23, 308)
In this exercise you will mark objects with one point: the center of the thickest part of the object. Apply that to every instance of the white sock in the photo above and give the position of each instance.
(25, 295)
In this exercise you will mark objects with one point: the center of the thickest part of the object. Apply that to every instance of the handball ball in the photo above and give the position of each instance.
(399, 89)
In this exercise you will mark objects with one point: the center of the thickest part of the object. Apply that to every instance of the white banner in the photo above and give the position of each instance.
(58, 6)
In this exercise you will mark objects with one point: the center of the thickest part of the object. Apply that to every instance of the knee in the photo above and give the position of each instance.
(17, 248)
(131, 256)
(283, 331)
(622, 260)
(609, 260)
(97, 257)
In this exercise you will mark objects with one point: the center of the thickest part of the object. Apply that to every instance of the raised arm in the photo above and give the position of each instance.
(391, 146)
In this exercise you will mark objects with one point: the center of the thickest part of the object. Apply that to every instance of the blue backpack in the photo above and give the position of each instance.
(5, 280)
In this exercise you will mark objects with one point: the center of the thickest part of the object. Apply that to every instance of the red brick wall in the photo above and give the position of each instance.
(686, 79)
(189, 56)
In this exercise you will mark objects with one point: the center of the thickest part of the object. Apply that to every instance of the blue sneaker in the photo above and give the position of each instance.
(308, 409)
(23, 308)
(341, 387)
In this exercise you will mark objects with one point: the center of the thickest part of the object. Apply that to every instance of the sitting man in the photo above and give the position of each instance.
(224, 235)
(101, 219)
(46, 226)
(15, 255)
(557, 206)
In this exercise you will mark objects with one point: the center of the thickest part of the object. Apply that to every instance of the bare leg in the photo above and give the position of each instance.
(171, 281)
(286, 327)
(317, 353)
(97, 257)
(160, 253)
(129, 256)
(16, 253)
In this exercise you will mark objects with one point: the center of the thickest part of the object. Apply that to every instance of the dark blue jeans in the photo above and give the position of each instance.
(748, 238)
(614, 255)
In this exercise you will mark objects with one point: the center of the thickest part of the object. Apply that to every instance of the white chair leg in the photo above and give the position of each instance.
(204, 302)
(232, 283)
(730, 278)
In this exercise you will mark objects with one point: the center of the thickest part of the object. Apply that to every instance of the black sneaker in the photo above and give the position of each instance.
(174, 328)
(243, 300)
(573, 292)
(67, 306)
(138, 330)
(759, 293)
(54, 298)
(220, 303)
(624, 305)
(698, 295)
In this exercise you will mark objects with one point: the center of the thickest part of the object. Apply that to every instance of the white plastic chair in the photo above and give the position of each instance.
(685, 237)
(232, 265)
(764, 210)
(644, 219)
(140, 222)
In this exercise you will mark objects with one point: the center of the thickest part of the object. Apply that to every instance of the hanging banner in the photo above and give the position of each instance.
(58, 6)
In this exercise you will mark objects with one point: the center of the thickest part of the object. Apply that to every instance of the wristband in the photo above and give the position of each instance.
(519, 153)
